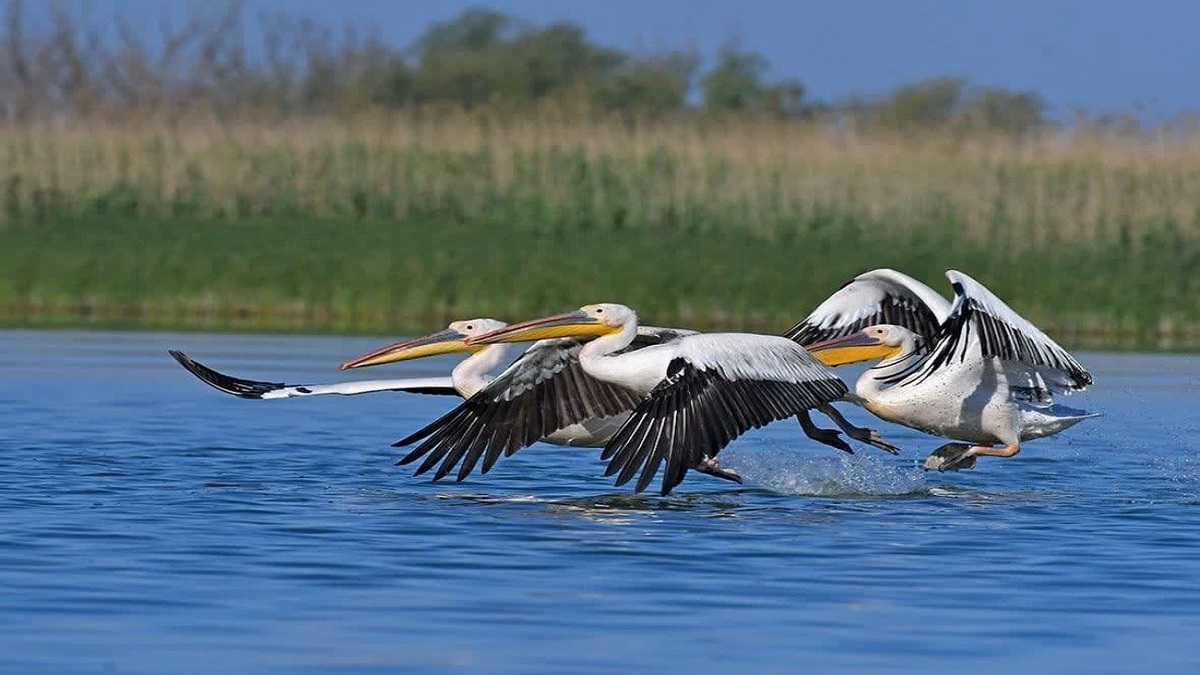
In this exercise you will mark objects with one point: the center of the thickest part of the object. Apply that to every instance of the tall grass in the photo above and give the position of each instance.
(750, 176)
(397, 223)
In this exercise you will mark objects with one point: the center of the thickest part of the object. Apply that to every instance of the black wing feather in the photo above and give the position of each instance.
(226, 383)
(693, 413)
(508, 414)
(997, 338)
(900, 309)
(257, 389)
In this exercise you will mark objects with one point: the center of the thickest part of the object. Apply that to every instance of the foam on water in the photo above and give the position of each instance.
(797, 472)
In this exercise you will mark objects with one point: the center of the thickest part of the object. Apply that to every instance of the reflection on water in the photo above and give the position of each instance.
(609, 507)
(150, 524)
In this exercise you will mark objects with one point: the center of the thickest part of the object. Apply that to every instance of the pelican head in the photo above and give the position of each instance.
(450, 341)
(873, 343)
(604, 318)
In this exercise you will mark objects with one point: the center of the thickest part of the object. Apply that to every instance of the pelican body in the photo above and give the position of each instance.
(985, 376)
(544, 395)
(695, 393)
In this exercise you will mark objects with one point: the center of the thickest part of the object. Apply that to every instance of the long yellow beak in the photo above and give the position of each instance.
(447, 341)
(851, 349)
(571, 324)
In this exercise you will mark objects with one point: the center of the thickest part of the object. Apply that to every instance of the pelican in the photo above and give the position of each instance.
(695, 393)
(547, 395)
(544, 395)
(468, 377)
(548, 369)
(586, 414)
(973, 371)
(875, 297)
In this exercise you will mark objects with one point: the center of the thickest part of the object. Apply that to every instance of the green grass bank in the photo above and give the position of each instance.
(397, 225)
(388, 277)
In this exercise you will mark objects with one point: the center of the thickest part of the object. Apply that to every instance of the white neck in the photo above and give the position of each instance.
(475, 371)
(871, 384)
(605, 345)
(638, 370)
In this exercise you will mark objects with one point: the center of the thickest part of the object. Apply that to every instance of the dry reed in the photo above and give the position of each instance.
(1081, 227)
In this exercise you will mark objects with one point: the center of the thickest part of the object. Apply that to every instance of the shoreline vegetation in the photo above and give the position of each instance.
(394, 223)
(269, 173)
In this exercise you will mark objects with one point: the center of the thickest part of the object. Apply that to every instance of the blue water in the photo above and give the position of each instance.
(149, 524)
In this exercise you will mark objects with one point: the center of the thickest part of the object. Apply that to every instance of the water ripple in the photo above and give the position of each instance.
(148, 524)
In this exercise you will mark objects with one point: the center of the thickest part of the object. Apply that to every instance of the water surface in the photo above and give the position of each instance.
(150, 524)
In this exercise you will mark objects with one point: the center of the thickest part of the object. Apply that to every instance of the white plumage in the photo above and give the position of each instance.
(539, 363)
(882, 296)
(697, 392)
(468, 376)
(244, 388)
(748, 356)
(987, 376)
(544, 395)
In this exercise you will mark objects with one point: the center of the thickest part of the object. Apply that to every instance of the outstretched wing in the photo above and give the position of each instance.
(544, 390)
(242, 388)
(717, 388)
(875, 297)
(980, 323)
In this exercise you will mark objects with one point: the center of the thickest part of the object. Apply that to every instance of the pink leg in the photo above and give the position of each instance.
(953, 456)
(1006, 451)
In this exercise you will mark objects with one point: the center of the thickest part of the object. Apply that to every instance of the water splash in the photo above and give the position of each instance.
(790, 472)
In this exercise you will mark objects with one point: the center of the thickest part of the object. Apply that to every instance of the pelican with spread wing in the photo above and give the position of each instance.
(547, 394)
(468, 377)
(694, 394)
(546, 371)
(973, 371)
(544, 395)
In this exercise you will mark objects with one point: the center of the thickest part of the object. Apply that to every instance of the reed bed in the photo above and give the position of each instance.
(397, 223)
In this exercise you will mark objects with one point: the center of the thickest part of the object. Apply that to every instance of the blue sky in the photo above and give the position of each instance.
(1101, 54)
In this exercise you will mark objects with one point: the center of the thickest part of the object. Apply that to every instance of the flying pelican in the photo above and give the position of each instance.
(516, 398)
(547, 395)
(696, 393)
(984, 375)
(544, 395)
(547, 370)
(875, 297)
(468, 377)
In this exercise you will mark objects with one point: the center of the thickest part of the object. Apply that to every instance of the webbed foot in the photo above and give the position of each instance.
(710, 466)
(872, 437)
(831, 438)
(951, 457)
(827, 436)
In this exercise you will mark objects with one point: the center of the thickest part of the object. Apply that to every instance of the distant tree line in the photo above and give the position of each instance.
(218, 62)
